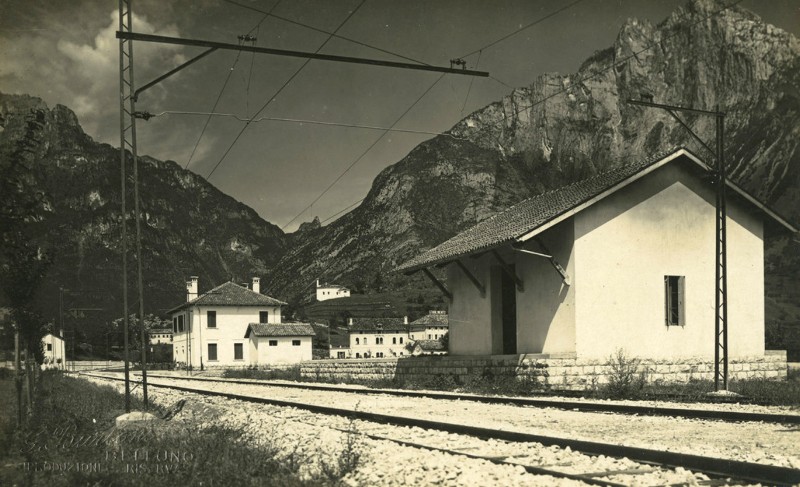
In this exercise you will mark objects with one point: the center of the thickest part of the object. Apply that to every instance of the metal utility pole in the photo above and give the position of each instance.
(720, 237)
(125, 95)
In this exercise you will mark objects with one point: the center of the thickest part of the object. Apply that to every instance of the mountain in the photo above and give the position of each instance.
(188, 228)
(564, 127)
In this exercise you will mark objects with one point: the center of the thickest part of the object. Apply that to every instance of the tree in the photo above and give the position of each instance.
(135, 329)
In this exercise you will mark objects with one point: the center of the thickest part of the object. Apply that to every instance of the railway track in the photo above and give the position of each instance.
(729, 416)
(723, 470)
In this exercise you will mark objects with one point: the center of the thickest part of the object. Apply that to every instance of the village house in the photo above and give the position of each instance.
(622, 260)
(160, 335)
(331, 291)
(209, 329)
(279, 343)
(54, 351)
(428, 347)
(432, 326)
(374, 338)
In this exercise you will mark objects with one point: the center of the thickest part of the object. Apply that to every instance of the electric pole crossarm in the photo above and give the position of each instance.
(173, 71)
(135, 36)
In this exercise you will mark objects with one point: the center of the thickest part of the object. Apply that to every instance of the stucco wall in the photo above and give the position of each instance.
(231, 326)
(282, 353)
(470, 313)
(664, 224)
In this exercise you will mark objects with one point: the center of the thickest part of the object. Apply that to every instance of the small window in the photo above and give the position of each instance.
(295, 343)
(379, 355)
(238, 351)
(401, 340)
(174, 324)
(212, 319)
(358, 355)
(273, 343)
(212, 351)
(675, 315)
(358, 341)
(394, 340)
(379, 341)
(429, 336)
(263, 316)
(365, 340)
(49, 347)
(339, 354)
(180, 323)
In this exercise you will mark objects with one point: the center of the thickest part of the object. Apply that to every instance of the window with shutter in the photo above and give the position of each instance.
(212, 319)
(212, 351)
(674, 309)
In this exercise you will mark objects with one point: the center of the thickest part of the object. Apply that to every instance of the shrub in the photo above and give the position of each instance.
(624, 379)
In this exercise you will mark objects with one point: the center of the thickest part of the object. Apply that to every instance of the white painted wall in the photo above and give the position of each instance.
(284, 352)
(394, 343)
(664, 225)
(232, 322)
(56, 351)
(332, 292)
(470, 313)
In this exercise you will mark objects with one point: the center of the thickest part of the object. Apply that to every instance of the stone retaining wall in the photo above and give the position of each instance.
(559, 372)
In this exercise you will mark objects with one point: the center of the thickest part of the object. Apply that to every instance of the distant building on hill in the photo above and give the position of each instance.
(337, 311)
(331, 291)
(432, 326)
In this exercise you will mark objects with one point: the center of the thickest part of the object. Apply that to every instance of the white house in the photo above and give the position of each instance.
(331, 291)
(432, 326)
(375, 338)
(54, 351)
(160, 335)
(209, 328)
(622, 260)
(279, 343)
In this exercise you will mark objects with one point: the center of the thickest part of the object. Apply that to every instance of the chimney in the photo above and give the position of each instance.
(256, 285)
(317, 282)
(405, 320)
(191, 288)
(349, 321)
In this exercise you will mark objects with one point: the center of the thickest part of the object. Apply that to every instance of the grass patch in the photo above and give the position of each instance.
(71, 439)
(290, 373)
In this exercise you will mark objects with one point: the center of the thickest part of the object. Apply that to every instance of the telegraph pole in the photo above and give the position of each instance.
(720, 237)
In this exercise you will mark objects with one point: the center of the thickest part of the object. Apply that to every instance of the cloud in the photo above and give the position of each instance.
(85, 75)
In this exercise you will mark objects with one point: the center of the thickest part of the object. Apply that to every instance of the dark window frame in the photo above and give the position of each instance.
(211, 318)
(674, 300)
(212, 357)
(238, 351)
(296, 343)
(273, 343)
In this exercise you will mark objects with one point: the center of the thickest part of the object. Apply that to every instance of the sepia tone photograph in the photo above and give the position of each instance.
(399, 243)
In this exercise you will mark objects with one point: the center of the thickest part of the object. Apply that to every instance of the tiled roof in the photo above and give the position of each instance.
(279, 330)
(433, 319)
(527, 215)
(374, 324)
(230, 294)
(429, 345)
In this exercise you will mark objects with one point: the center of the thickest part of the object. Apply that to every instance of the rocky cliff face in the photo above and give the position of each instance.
(564, 127)
(189, 227)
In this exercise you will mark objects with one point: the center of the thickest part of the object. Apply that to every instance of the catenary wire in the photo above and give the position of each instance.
(285, 84)
(333, 34)
(222, 90)
(305, 121)
(364, 153)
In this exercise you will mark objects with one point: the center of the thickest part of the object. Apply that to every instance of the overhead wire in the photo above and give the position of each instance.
(222, 90)
(611, 66)
(331, 217)
(305, 121)
(471, 80)
(333, 34)
(280, 90)
(365, 152)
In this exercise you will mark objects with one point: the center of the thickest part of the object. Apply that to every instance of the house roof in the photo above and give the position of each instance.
(375, 324)
(279, 330)
(331, 285)
(160, 330)
(532, 216)
(230, 294)
(432, 319)
(429, 345)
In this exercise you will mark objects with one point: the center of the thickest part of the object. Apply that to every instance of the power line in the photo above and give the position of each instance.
(341, 211)
(222, 90)
(511, 34)
(365, 152)
(611, 66)
(302, 121)
(471, 80)
(332, 34)
(285, 84)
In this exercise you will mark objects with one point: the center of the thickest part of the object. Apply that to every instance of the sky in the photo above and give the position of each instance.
(66, 52)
